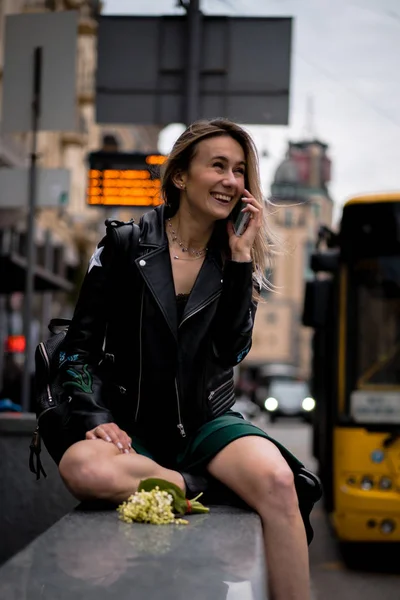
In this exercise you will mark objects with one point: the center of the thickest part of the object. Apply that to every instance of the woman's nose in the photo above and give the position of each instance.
(230, 180)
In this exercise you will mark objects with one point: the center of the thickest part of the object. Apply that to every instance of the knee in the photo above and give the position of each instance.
(276, 491)
(85, 476)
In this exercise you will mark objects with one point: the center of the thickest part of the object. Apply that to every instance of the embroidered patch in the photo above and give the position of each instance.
(95, 260)
(63, 358)
(79, 381)
(241, 355)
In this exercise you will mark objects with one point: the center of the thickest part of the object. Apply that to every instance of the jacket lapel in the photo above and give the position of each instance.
(155, 268)
(154, 264)
(208, 285)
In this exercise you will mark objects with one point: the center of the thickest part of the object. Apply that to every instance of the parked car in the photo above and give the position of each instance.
(285, 398)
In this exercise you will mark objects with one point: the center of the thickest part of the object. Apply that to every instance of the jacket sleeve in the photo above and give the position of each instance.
(78, 368)
(234, 320)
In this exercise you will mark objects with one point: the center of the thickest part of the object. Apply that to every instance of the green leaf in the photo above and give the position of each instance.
(180, 504)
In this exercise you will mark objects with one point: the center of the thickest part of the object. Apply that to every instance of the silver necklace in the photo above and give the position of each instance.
(195, 254)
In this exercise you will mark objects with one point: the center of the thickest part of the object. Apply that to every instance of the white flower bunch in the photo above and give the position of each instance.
(153, 506)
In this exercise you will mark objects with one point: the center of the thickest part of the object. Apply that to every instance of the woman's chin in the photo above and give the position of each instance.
(220, 212)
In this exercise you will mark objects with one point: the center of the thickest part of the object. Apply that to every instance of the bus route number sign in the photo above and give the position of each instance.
(124, 179)
(376, 406)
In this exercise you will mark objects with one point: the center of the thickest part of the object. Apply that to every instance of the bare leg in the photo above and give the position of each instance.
(255, 470)
(94, 469)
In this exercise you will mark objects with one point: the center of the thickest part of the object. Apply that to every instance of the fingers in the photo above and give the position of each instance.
(241, 245)
(254, 208)
(111, 433)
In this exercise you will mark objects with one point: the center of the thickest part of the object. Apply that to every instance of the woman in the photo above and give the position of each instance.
(177, 317)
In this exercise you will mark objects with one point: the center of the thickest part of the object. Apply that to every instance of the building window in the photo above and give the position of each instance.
(288, 218)
(316, 210)
(309, 248)
(271, 317)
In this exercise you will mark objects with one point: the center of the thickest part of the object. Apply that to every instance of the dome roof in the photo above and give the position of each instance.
(287, 172)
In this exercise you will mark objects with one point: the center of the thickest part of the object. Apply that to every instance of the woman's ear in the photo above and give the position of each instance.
(179, 181)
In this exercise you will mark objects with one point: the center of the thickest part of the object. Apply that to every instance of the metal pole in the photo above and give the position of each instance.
(30, 248)
(194, 19)
(47, 297)
(3, 335)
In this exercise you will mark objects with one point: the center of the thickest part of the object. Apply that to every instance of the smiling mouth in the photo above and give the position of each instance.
(223, 198)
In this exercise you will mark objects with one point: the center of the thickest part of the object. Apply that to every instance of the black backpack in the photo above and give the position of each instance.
(51, 400)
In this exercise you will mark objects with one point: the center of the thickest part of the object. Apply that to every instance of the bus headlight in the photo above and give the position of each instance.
(385, 483)
(271, 404)
(367, 483)
(308, 404)
(387, 526)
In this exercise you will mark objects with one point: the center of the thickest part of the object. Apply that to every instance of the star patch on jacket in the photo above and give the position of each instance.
(95, 259)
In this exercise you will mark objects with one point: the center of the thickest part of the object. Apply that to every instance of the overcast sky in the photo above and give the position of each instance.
(346, 56)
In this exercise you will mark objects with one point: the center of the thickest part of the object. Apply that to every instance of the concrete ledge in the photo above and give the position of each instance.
(94, 555)
(27, 507)
(17, 423)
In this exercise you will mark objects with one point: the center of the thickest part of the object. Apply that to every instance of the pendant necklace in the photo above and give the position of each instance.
(195, 254)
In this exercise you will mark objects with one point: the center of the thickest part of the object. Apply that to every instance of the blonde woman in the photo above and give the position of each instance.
(177, 317)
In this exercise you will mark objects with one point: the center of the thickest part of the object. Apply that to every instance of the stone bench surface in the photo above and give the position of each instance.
(93, 555)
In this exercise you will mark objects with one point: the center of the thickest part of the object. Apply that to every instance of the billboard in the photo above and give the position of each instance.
(53, 187)
(244, 70)
(124, 179)
(56, 34)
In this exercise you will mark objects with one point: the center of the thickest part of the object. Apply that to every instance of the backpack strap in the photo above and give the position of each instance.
(57, 323)
(128, 234)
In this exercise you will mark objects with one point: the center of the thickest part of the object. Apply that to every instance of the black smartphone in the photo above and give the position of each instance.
(240, 219)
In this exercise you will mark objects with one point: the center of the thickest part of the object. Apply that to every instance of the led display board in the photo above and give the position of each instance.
(124, 179)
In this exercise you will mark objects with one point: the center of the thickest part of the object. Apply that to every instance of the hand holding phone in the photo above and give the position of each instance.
(241, 221)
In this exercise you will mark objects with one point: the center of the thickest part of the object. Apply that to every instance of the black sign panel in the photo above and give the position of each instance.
(244, 70)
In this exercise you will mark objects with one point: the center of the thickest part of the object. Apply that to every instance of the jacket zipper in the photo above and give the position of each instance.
(180, 425)
(206, 303)
(220, 387)
(47, 361)
(140, 356)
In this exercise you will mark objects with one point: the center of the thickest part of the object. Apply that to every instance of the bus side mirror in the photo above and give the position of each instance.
(316, 303)
(325, 261)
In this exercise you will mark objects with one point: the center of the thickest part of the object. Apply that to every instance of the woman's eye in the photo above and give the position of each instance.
(219, 165)
(240, 171)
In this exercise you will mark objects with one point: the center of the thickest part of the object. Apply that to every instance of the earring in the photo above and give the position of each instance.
(182, 186)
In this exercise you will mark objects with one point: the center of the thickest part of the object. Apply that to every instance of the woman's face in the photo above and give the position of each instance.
(215, 180)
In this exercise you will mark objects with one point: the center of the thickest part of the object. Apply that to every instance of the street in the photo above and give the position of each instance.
(373, 575)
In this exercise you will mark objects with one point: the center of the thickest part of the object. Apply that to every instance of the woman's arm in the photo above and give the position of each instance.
(78, 369)
(234, 320)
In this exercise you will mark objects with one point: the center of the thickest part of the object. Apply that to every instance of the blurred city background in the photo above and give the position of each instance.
(329, 134)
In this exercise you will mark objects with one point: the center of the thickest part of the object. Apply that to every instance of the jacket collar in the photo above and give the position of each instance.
(155, 268)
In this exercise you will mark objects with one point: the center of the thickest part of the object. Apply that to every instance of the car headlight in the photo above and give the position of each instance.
(308, 404)
(271, 404)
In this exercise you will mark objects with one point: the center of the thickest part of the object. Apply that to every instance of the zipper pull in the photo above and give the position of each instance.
(49, 396)
(181, 430)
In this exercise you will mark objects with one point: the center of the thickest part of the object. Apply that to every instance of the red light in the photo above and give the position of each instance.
(15, 343)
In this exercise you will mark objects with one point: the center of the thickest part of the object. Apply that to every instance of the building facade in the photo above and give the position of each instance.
(299, 204)
(65, 236)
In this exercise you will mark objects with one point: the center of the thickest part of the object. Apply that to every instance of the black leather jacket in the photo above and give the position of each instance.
(182, 370)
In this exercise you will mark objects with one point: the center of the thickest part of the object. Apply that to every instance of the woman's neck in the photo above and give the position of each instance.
(191, 231)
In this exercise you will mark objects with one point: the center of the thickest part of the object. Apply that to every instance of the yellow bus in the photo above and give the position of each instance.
(353, 305)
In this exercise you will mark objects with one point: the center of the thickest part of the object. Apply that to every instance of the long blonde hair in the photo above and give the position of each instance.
(179, 160)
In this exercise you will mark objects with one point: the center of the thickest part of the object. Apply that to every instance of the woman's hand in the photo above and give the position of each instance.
(110, 432)
(241, 245)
